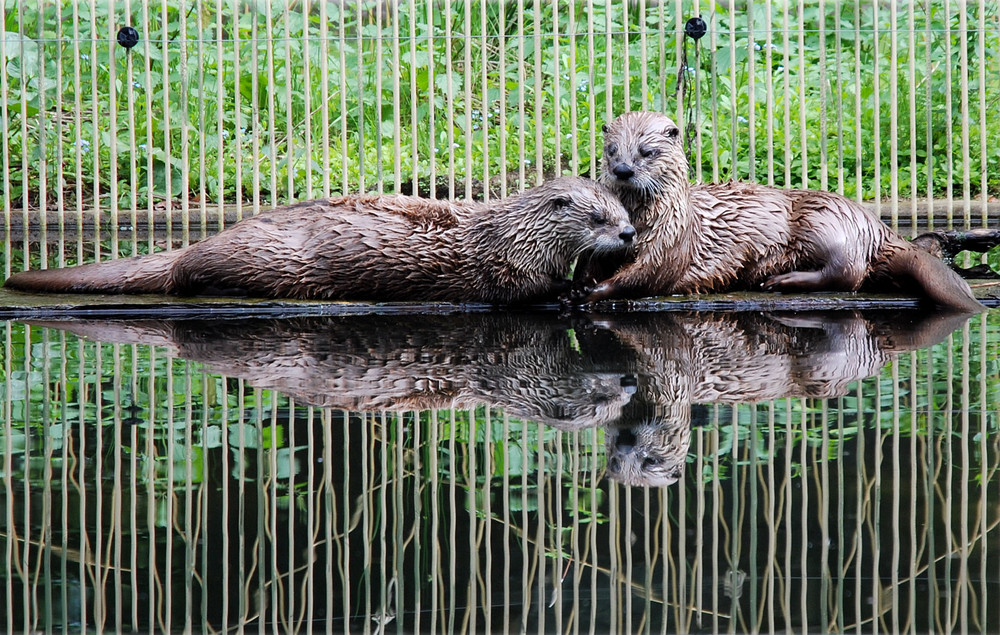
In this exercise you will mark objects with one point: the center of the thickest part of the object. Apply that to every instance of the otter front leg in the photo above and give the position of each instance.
(617, 286)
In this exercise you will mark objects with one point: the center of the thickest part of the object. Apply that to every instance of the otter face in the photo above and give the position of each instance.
(643, 153)
(647, 455)
(601, 221)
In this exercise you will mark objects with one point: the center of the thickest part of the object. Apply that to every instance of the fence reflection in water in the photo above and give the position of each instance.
(145, 488)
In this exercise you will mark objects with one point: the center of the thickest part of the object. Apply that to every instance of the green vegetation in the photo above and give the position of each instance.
(484, 89)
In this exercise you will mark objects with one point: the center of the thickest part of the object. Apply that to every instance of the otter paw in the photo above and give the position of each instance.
(793, 281)
(577, 294)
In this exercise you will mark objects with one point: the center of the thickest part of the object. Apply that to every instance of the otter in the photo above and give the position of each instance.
(740, 236)
(379, 248)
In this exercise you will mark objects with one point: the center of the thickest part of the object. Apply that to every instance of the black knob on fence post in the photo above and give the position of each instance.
(695, 28)
(128, 37)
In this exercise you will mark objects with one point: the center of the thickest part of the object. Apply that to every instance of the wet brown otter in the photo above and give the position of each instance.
(379, 248)
(734, 236)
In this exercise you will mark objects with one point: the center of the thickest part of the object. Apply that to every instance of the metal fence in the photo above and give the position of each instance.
(219, 109)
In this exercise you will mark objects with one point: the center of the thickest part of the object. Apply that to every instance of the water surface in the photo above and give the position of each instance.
(735, 471)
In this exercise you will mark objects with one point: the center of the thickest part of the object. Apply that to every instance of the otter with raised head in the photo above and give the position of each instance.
(739, 236)
(381, 248)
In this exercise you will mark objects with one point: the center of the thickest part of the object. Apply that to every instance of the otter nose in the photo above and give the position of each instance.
(623, 171)
(627, 234)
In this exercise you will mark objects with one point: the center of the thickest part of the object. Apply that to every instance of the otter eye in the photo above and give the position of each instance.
(597, 218)
(611, 149)
(673, 132)
(646, 152)
(651, 461)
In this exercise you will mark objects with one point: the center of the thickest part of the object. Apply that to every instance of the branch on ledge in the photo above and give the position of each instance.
(946, 244)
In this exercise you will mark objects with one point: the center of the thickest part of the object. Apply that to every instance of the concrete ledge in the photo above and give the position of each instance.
(15, 305)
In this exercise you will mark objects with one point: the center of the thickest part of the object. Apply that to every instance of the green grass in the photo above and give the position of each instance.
(200, 101)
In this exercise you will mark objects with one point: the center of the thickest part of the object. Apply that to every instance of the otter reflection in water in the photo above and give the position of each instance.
(683, 359)
(637, 375)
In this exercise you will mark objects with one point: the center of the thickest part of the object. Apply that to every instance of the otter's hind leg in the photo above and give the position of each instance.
(839, 273)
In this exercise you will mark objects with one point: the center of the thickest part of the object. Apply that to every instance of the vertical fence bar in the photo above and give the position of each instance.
(415, 99)
(963, 69)
(713, 45)
(929, 121)
(7, 177)
(432, 134)
(168, 187)
(501, 96)
(982, 115)
(60, 195)
(202, 125)
(911, 74)
(223, 143)
(769, 88)
(680, 40)
(342, 47)
(150, 143)
(291, 142)
(574, 94)
(858, 139)
(823, 150)
(786, 63)
(324, 93)
(450, 96)
(949, 123)
(537, 92)
(271, 105)
(803, 110)
(467, 81)
(254, 125)
(112, 131)
(25, 145)
(397, 123)
(839, 84)
(379, 44)
(185, 115)
(893, 120)
(556, 84)
(751, 117)
(609, 62)
(595, 159)
(133, 182)
(734, 171)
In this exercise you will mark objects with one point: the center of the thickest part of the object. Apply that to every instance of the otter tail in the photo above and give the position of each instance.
(141, 274)
(939, 283)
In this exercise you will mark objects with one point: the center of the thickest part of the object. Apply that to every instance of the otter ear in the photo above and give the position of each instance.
(561, 202)
(673, 132)
(604, 128)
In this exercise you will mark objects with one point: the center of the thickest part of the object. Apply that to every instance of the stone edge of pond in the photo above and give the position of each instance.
(17, 306)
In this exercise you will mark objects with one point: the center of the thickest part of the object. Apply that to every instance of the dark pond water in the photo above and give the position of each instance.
(635, 472)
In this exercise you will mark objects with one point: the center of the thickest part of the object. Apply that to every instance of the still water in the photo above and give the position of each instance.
(510, 472)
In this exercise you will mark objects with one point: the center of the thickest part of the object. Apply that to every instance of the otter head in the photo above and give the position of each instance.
(649, 454)
(643, 156)
(592, 216)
